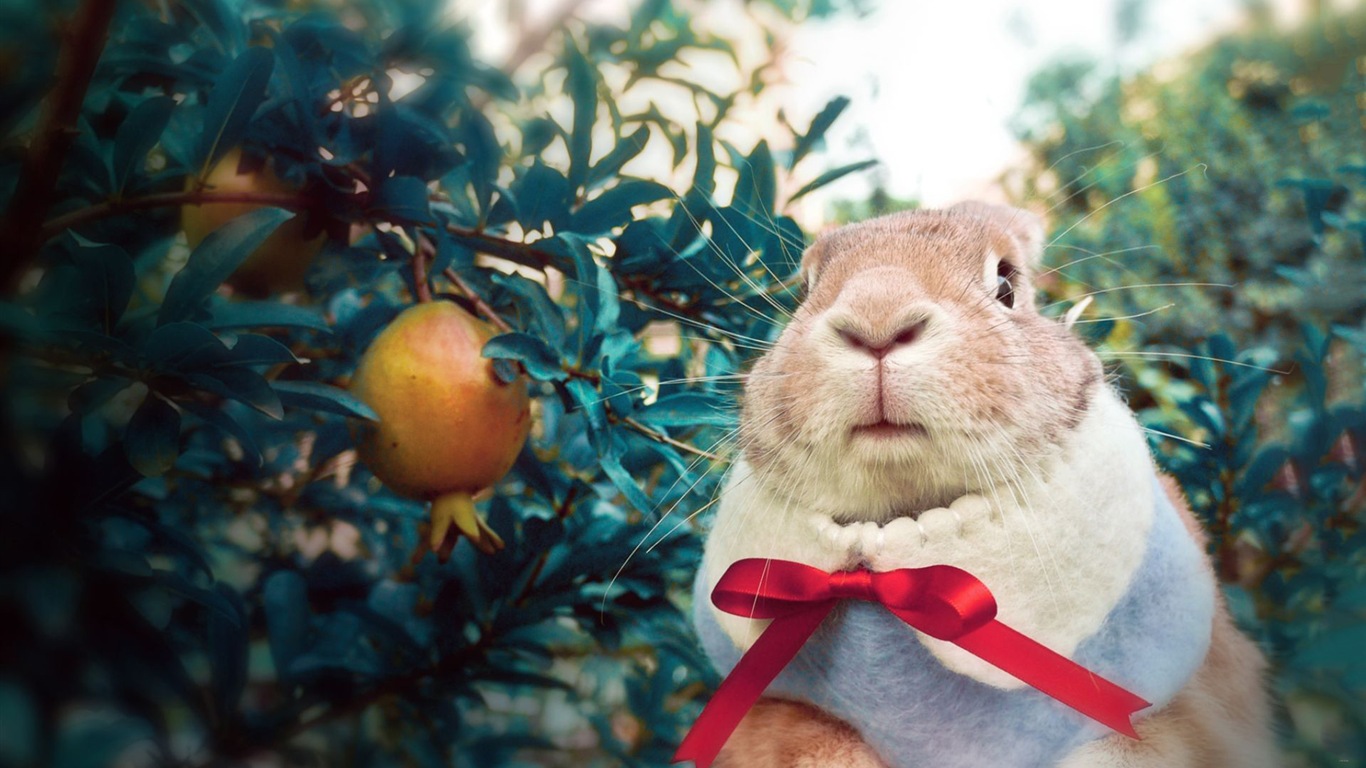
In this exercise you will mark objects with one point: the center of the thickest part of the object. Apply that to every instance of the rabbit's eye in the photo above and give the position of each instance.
(1005, 284)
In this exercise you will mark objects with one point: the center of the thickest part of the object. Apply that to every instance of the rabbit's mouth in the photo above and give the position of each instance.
(889, 430)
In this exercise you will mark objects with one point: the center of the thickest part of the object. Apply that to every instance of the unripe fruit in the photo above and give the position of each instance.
(281, 262)
(448, 425)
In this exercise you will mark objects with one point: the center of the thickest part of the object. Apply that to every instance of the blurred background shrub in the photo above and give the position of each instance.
(1215, 207)
(197, 571)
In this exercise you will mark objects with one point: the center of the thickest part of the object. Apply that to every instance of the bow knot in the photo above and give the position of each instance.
(942, 601)
(852, 585)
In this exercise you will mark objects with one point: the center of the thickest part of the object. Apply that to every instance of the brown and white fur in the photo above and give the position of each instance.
(903, 384)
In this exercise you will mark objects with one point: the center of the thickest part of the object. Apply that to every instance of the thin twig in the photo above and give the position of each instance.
(483, 306)
(641, 286)
(663, 438)
(562, 511)
(56, 132)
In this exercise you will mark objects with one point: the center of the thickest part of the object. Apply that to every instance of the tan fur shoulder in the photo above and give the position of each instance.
(777, 733)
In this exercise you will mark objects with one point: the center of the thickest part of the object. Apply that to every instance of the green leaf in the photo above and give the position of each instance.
(402, 200)
(546, 319)
(136, 137)
(543, 194)
(609, 304)
(220, 20)
(485, 158)
(17, 322)
(586, 284)
(690, 409)
(582, 87)
(508, 676)
(183, 346)
(152, 439)
(221, 253)
(537, 134)
(757, 187)
(321, 397)
(1336, 648)
(241, 385)
(235, 96)
(611, 466)
(88, 289)
(1261, 470)
(590, 400)
(1320, 196)
(613, 207)
(255, 349)
(540, 361)
(611, 163)
(1097, 331)
(227, 315)
(830, 176)
(704, 174)
(228, 647)
(819, 125)
(227, 426)
(285, 600)
(98, 740)
(95, 393)
(598, 305)
(107, 279)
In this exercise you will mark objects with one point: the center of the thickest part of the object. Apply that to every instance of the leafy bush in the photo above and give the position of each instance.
(195, 567)
(1214, 209)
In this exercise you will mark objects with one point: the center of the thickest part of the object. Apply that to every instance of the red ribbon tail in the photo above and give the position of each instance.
(1055, 675)
(746, 683)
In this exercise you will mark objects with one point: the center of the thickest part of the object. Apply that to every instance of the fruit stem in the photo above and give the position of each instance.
(456, 510)
(423, 256)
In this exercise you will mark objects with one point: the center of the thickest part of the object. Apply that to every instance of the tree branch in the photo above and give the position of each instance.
(55, 226)
(526, 254)
(56, 132)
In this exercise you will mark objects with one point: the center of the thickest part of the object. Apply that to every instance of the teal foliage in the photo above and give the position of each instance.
(195, 568)
(1215, 212)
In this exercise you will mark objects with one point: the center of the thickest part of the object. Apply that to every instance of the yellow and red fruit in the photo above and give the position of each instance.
(448, 425)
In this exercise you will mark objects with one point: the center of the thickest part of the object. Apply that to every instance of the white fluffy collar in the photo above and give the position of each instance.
(1058, 549)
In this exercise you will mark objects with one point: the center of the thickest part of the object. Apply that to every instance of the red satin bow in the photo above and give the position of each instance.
(942, 601)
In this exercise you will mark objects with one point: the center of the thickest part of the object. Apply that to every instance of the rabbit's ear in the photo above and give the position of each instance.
(1025, 228)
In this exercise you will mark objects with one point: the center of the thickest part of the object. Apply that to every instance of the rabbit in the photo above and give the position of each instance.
(917, 410)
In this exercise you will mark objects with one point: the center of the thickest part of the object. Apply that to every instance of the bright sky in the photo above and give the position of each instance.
(935, 84)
